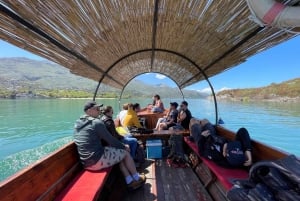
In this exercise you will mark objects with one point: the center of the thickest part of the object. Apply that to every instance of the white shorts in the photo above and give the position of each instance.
(110, 157)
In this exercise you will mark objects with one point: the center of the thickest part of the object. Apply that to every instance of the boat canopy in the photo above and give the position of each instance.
(113, 41)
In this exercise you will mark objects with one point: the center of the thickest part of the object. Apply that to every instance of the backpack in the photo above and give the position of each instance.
(269, 180)
(177, 157)
(140, 153)
(134, 129)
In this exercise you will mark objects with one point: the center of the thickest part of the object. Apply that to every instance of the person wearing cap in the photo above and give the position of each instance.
(89, 133)
(170, 119)
(184, 117)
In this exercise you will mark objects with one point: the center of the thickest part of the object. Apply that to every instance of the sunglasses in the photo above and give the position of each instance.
(96, 108)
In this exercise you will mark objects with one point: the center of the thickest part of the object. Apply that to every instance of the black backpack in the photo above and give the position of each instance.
(177, 156)
(140, 153)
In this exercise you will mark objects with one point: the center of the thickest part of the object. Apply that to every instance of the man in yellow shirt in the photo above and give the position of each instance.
(131, 119)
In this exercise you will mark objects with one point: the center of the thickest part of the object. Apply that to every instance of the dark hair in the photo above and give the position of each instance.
(136, 105)
(106, 109)
(157, 96)
(184, 103)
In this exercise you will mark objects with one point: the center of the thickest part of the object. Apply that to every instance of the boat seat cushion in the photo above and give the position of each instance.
(85, 186)
(224, 175)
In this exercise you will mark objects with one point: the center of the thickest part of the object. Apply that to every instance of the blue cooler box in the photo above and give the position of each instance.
(154, 148)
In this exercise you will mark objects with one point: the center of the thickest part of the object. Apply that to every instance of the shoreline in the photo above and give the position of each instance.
(272, 100)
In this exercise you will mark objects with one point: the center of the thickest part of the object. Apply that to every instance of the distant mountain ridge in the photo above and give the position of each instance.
(285, 91)
(25, 76)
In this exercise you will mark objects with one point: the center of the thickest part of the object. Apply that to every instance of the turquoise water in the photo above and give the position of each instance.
(30, 129)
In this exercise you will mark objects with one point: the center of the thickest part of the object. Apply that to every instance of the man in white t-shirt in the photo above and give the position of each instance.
(121, 116)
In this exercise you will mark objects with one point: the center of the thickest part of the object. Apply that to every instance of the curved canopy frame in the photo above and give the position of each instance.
(166, 51)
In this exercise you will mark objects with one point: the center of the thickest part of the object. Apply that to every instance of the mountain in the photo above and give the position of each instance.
(285, 91)
(22, 72)
(26, 77)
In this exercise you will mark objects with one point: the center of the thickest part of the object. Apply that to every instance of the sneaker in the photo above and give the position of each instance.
(142, 178)
(137, 184)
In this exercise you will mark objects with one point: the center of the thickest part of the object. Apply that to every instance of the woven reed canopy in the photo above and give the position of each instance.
(113, 41)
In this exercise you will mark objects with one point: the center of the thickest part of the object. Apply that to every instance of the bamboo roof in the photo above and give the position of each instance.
(114, 41)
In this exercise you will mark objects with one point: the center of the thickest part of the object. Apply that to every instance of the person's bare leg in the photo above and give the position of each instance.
(162, 126)
(123, 169)
(129, 164)
(134, 175)
(158, 122)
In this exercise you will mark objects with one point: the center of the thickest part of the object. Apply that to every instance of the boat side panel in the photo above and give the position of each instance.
(44, 179)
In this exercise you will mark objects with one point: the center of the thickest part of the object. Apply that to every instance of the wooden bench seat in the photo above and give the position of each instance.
(224, 175)
(86, 185)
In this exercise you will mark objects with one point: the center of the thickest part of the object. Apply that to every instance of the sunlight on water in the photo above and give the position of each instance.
(20, 160)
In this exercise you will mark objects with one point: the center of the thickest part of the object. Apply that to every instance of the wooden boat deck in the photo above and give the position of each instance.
(166, 183)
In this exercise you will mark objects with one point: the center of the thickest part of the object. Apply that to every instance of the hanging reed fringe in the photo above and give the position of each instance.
(89, 36)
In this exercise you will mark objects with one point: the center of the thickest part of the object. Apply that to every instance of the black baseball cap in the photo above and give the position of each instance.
(91, 104)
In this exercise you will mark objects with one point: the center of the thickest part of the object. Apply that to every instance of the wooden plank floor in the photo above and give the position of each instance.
(166, 183)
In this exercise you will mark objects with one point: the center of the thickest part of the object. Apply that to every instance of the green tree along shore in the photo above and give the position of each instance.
(57, 93)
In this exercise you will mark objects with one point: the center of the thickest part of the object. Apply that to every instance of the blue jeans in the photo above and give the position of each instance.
(132, 142)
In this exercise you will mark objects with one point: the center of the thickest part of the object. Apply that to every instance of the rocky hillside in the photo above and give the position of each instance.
(285, 91)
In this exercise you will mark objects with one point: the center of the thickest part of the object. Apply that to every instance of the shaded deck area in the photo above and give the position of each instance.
(165, 183)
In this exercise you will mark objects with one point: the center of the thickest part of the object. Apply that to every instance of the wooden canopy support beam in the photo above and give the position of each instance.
(154, 28)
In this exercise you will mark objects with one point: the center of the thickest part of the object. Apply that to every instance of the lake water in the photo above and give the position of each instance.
(30, 129)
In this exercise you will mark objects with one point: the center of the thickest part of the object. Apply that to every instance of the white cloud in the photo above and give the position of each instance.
(205, 90)
(159, 76)
(224, 88)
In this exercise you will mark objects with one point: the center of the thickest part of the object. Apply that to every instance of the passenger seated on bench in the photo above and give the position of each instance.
(131, 119)
(235, 153)
(170, 119)
(121, 116)
(137, 108)
(184, 117)
(89, 132)
(158, 105)
(107, 112)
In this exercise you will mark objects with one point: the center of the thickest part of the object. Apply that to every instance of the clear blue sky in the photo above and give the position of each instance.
(274, 65)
